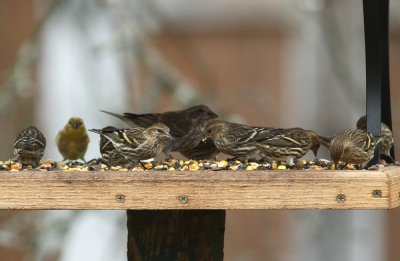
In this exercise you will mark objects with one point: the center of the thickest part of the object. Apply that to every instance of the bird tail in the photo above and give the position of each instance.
(326, 141)
(119, 116)
(135, 120)
(96, 131)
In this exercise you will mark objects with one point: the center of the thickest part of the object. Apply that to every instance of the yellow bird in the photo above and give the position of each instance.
(73, 139)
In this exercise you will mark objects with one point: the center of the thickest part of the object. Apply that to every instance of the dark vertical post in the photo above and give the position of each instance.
(176, 235)
(386, 115)
(376, 24)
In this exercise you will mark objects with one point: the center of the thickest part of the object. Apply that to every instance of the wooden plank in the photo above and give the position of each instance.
(201, 190)
(176, 234)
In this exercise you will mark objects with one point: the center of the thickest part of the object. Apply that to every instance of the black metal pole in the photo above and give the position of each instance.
(386, 113)
(376, 18)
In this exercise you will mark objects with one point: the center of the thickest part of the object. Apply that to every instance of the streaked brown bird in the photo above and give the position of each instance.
(387, 139)
(290, 144)
(138, 143)
(353, 146)
(205, 150)
(236, 139)
(108, 152)
(186, 126)
(29, 146)
(72, 141)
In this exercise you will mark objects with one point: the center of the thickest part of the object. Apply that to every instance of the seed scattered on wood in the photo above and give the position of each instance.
(175, 165)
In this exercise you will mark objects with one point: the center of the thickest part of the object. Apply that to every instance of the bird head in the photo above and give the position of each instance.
(75, 123)
(315, 141)
(362, 123)
(337, 149)
(213, 130)
(31, 131)
(201, 112)
(159, 130)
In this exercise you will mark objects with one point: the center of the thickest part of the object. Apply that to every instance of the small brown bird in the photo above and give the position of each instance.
(353, 146)
(72, 141)
(138, 143)
(206, 150)
(108, 152)
(387, 139)
(290, 144)
(236, 139)
(29, 146)
(186, 126)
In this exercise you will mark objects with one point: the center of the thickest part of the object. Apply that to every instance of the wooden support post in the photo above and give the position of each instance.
(376, 24)
(176, 234)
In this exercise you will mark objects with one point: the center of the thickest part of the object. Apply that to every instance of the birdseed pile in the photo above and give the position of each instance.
(173, 165)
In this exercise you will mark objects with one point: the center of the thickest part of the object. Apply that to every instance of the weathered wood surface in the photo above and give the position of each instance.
(201, 189)
(176, 235)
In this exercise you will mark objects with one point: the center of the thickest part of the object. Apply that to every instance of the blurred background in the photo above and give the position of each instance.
(268, 63)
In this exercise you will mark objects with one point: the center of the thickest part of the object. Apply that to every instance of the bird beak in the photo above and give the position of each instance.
(168, 135)
(74, 125)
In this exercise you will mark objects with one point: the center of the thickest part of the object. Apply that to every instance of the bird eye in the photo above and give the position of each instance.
(209, 131)
(159, 131)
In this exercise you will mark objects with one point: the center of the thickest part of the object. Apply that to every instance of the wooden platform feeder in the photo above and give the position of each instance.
(181, 215)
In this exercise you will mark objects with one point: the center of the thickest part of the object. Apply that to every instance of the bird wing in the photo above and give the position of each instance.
(239, 133)
(178, 124)
(142, 120)
(132, 137)
(263, 133)
(33, 140)
(287, 138)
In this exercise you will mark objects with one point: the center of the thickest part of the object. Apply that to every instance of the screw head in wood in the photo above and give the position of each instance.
(377, 193)
(183, 199)
(341, 198)
(120, 198)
